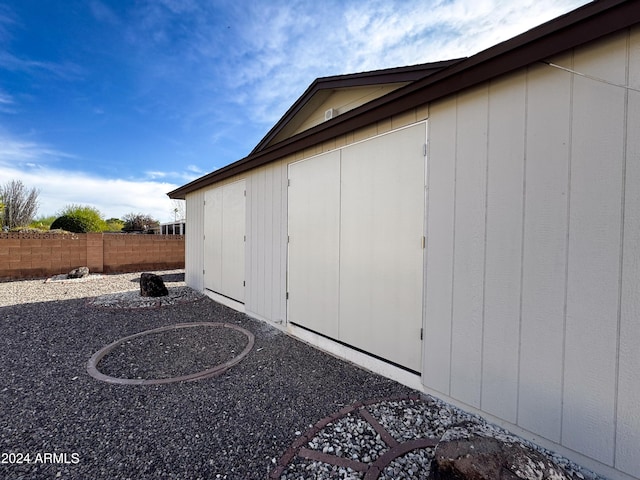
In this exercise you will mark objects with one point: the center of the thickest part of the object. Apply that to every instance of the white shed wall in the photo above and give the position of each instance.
(194, 252)
(266, 263)
(532, 297)
(628, 380)
(533, 256)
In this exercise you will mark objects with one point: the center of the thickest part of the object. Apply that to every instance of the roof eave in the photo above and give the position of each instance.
(587, 23)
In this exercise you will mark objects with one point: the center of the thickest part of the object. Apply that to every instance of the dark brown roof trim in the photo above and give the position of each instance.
(585, 24)
(376, 77)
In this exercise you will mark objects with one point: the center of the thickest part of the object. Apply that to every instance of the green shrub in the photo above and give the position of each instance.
(71, 224)
(80, 219)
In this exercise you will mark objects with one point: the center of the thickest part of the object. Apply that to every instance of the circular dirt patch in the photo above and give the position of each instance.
(175, 353)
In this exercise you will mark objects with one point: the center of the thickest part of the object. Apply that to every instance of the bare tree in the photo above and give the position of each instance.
(138, 222)
(20, 204)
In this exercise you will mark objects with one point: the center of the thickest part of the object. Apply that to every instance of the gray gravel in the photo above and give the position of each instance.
(173, 353)
(233, 426)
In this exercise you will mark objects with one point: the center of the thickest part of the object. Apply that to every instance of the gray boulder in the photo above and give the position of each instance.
(486, 458)
(79, 272)
(152, 285)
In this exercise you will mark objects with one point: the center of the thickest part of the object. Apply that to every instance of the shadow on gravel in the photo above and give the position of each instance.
(167, 278)
(234, 425)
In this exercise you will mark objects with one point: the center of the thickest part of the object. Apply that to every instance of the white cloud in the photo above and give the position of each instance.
(103, 13)
(300, 42)
(247, 66)
(31, 163)
(113, 197)
(16, 151)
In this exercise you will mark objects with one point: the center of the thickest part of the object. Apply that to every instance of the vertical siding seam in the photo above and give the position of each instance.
(566, 249)
(285, 212)
(254, 243)
(272, 243)
(261, 248)
(338, 300)
(284, 249)
(247, 250)
(625, 136)
(484, 253)
(453, 240)
(275, 239)
(522, 236)
(425, 256)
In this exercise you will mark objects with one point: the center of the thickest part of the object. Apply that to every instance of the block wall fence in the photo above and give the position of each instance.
(29, 255)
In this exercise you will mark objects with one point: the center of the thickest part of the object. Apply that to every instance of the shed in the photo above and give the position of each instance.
(470, 228)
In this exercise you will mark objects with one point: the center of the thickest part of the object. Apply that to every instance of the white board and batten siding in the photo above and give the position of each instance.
(531, 302)
(267, 242)
(218, 264)
(314, 243)
(355, 263)
(533, 260)
(224, 240)
(265, 246)
(194, 240)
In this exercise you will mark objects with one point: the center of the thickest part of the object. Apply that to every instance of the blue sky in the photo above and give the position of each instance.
(113, 103)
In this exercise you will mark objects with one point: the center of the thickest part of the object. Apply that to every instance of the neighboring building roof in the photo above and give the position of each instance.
(575, 28)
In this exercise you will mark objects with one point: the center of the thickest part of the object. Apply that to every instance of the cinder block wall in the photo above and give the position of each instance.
(132, 253)
(37, 255)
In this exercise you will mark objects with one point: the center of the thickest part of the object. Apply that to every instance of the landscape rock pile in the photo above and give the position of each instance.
(80, 272)
(152, 285)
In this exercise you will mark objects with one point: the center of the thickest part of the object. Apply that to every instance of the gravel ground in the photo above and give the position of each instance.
(173, 353)
(73, 426)
(285, 411)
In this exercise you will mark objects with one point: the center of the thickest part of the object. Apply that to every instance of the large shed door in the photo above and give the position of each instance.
(356, 226)
(381, 238)
(314, 236)
(224, 242)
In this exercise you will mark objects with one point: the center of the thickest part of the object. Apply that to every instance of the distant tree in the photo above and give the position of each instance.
(178, 211)
(114, 224)
(138, 222)
(20, 204)
(80, 219)
(43, 223)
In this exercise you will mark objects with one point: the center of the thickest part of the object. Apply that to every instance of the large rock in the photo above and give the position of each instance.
(486, 458)
(152, 285)
(79, 272)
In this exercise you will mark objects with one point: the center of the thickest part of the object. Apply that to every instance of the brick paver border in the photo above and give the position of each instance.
(372, 471)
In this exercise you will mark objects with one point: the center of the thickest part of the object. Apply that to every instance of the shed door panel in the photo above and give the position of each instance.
(355, 264)
(212, 240)
(224, 243)
(381, 254)
(314, 220)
